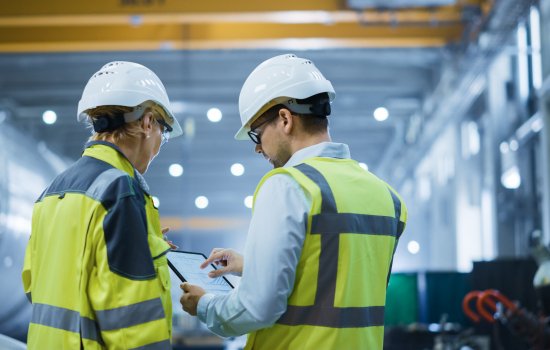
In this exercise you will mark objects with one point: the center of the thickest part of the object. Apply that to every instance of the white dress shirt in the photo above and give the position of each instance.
(274, 244)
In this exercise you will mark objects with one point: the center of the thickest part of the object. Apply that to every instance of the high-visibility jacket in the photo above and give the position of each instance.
(339, 292)
(95, 266)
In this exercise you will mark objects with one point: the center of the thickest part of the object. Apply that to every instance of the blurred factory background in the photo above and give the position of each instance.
(447, 100)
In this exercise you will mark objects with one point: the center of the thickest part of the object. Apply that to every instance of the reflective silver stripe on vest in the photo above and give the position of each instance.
(328, 203)
(68, 320)
(330, 224)
(90, 330)
(328, 258)
(397, 206)
(336, 223)
(141, 181)
(161, 345)
(399, 229)
(131, 315)
(345, 317)
(102, 182)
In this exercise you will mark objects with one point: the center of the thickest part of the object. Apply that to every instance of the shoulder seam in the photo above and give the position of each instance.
(103, 181)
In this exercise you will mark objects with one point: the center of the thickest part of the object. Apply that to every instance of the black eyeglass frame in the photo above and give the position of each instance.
(255, 136)
(165, 132)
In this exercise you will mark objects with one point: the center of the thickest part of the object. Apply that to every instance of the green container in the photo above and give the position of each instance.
(402, 300)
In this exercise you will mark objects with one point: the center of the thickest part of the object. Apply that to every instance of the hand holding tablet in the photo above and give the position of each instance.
(187, 267)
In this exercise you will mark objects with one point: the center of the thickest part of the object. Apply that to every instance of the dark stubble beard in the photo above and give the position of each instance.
(282, 156)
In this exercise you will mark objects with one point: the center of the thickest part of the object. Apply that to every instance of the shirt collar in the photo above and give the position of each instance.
(323, 149)
(112, 154)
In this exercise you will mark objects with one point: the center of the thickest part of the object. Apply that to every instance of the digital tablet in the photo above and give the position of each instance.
(186, 265)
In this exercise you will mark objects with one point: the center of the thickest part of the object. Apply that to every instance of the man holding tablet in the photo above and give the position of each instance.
(195, 269)
(323, 231)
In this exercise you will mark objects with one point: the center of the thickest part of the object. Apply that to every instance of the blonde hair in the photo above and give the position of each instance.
(124, 134)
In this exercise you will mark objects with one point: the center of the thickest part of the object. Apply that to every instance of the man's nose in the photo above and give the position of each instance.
(258, 149)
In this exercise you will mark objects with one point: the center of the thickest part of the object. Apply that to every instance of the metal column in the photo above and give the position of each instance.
(545, 111)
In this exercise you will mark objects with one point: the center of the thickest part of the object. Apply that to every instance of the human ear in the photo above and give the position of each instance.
(288, 122)
(147, 123)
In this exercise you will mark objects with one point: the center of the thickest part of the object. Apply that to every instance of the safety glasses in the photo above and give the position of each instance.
(165, 131)
(255, 135)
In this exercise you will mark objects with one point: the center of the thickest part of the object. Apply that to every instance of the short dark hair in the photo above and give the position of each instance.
(313, 123)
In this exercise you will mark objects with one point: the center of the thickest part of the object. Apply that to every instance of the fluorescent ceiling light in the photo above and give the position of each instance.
(175, 170)
(49, 117)
(248, 201)
(201, 202)
(381, 114)
(413, 247)
(156, 201)
(511, 178)
(237, 169)
(214, 115)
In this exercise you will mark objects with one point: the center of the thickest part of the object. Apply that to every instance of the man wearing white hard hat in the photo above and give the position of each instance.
(95, 267)
(323, 231)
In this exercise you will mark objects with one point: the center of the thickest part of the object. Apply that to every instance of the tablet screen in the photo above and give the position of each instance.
(186, 265)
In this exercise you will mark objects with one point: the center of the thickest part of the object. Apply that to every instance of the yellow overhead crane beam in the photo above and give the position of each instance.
(65, 25)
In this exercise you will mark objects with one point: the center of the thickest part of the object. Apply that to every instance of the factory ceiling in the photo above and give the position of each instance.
(387, 54)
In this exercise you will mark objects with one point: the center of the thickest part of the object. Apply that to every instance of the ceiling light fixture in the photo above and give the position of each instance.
(214, 115)
(511, 179)
(49, 117)
(504, 147)
(201, 202)
(381, 114)
(175, 170)
(413, 247)
(237, 169)
(248, 201)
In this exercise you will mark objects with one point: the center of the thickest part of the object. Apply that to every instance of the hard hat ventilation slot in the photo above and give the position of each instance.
(102, 73)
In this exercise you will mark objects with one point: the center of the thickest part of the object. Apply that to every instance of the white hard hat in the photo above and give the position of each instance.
(127, 84)
(275, 80)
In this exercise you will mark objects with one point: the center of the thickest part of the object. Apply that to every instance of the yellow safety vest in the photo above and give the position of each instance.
(95, 267)
(339, 293)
